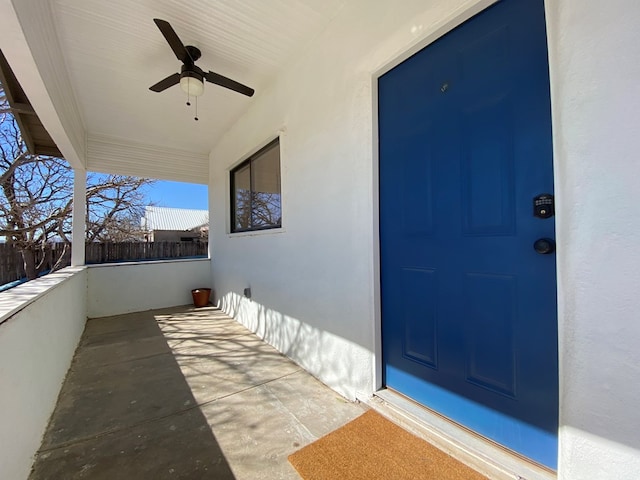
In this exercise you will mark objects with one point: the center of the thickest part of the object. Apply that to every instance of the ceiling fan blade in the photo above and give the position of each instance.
(170, 81)
(228, 83)
(173, 40)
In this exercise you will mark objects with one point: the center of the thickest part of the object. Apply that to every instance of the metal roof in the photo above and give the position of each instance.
(163, 218)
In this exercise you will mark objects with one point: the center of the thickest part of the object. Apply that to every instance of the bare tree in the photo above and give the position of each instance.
(266, 209)
(242, 209)
(256, 209)
(115, 205)
(36, 201)
(4, 103)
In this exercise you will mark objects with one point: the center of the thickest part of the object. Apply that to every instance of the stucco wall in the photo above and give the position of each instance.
(36, 347)
(595, 72)
(317, 276)
(120, 288)
(314, 283)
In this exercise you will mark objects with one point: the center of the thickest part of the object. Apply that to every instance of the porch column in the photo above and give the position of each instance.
(79, 216)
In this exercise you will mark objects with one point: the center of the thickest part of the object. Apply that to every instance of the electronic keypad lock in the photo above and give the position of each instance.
(543, 206)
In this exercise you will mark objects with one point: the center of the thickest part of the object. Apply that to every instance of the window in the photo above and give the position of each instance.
(255, 191)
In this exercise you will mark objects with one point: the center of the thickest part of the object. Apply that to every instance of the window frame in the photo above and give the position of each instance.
(232, 184)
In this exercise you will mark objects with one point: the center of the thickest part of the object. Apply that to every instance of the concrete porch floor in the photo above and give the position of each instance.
(183, 393)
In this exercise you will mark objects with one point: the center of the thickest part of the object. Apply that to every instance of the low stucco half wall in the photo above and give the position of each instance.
(120, 288)
(40, 325)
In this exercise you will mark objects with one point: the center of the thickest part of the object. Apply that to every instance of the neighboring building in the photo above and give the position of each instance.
(163, 224)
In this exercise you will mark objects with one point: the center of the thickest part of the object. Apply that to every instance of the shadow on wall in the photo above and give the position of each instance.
(335, 361)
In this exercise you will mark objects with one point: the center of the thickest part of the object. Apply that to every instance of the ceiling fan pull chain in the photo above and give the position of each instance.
(188, 100)
(196, 117)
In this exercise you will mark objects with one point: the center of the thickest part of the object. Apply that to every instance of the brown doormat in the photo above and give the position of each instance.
(372, 447)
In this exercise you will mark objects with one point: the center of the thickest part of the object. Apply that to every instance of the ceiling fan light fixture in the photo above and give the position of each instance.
(191, 83)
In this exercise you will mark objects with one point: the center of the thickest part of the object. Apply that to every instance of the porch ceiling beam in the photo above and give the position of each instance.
(22, 108)
(48, 151)
(29, 42)
(25, 115)
(12, 89)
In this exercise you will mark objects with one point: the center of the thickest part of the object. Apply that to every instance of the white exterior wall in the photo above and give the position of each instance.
(595, 71)
(120, 288)
(314, 283)
(37, 343)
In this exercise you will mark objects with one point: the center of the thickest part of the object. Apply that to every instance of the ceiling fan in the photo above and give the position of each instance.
(191, 77)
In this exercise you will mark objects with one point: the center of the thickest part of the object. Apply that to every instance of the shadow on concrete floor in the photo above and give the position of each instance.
(182, 393)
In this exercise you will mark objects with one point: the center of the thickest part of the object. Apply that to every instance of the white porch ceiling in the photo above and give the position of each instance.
(113, 52)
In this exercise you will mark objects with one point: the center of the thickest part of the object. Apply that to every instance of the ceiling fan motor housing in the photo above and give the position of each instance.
(192, 71)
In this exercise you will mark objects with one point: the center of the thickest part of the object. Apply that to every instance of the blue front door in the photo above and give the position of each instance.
(468, 305)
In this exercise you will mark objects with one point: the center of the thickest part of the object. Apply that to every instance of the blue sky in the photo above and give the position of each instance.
(178, 195)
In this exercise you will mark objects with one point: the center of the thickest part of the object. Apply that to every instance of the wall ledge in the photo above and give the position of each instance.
(146, 262)
(18, 298)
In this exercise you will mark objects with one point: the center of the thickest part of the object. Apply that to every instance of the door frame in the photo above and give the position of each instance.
(428, 36)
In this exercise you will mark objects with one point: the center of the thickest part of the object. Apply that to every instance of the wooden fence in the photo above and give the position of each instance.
(12, 269)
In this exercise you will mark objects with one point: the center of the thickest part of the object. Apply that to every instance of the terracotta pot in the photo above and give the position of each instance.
(201, 296)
